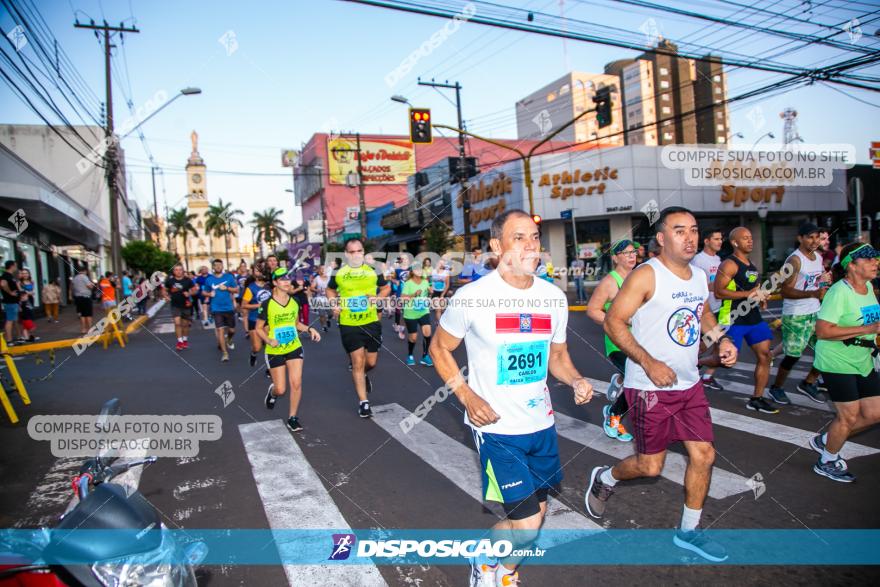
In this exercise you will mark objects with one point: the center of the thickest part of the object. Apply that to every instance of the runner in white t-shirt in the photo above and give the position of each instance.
(709, 261)
(514, 329)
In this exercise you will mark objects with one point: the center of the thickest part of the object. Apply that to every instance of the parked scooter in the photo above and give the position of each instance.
(106, 538)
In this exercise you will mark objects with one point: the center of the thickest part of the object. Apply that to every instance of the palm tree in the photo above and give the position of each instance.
(221, 221)
(268, 228)
(180, 224)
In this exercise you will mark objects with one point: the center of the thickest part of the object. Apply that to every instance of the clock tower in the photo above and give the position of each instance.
(196, 181)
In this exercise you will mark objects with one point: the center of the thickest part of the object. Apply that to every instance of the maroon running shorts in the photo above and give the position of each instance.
(661, 417)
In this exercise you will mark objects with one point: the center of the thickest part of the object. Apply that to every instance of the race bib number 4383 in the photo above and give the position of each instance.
(521, 363)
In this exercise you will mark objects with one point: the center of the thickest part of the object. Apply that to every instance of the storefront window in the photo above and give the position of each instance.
(7, 252)
(29, 262)
(592, 234)
(44, 272)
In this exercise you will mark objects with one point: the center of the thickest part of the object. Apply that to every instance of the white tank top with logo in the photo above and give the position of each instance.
(807, 280)
(668, 327)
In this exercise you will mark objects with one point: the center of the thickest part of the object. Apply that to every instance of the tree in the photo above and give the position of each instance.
(268, 228)
(180, 224)
(147, 257)
(438, 238)
(221, 221)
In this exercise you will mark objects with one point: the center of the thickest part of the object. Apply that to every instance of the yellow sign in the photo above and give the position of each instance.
(738, 195)
(382, 161)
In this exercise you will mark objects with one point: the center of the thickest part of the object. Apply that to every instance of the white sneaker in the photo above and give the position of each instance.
(482, 571)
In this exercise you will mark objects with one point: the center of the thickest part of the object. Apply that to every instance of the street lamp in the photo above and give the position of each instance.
(399, 98)
(763, 136)
(762, 214)
(183, 92)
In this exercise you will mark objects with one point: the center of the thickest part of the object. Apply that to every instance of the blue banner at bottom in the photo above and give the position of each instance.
(438, 547)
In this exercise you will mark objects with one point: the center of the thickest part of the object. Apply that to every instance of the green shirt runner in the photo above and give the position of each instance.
(418, 306)
(282, 325)
(844, 307)
(355, 287)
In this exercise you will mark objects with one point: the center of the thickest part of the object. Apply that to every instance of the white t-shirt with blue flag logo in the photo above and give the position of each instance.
(507, 333)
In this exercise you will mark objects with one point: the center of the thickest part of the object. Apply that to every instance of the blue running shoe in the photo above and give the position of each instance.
(410, 361)
(697, 541)
(426, 361)
(834, 470)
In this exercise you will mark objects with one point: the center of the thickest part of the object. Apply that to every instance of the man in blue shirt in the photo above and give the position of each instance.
(221, 288)
(473, 269)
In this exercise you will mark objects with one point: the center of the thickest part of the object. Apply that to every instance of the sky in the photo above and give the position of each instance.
(272, 73)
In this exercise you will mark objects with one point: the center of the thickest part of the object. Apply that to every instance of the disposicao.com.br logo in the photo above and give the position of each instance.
(344, 544)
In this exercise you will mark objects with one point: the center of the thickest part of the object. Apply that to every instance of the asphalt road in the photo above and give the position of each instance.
(257, 475)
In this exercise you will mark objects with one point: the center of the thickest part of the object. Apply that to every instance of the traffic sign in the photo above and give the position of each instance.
(875, 154)
(565, 214)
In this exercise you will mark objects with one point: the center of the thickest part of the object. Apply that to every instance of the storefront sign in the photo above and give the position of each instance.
(382, 161)
(590, 182)
(738, 195)
(483, 192)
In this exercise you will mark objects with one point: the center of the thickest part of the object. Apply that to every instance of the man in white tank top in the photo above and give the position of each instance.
(802, 293)
(666, 302)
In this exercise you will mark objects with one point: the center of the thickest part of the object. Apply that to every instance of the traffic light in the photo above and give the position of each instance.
(537, 219)
(604, 104)
(420, 126)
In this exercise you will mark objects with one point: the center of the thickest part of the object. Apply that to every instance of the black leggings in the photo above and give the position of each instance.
(620, 407)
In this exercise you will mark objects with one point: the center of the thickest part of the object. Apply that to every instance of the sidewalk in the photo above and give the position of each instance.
(68, 323)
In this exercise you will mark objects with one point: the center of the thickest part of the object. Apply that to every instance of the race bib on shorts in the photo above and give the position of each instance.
(438, 285)
(285, 335)
(521, 363)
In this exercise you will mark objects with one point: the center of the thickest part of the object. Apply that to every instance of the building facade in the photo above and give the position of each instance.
(554, 105)
(606, 193)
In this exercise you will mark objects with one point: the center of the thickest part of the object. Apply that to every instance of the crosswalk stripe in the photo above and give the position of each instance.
(724, 483)
(794, 374)
(294, 497)
(782, 433)
(764, 428)
(461, 465)
(796, 398)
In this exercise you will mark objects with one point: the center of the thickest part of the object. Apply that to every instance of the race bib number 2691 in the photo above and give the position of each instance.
(521, 363)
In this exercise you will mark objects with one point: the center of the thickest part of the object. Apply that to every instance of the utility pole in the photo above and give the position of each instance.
(360, 173)
(110, 154)
(462, 171)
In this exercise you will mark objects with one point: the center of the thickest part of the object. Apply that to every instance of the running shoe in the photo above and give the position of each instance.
(811, 390)
(597, 493)
(609, 426)
(364, 410)
(253, 359)
(817, 444)
(410, 361)
(508, 580)
(186, 344)
(778, 395)
(614, 388)
(270, 396)
(426, 361)
(483, 571)
(293, 424)
(179, 345)
(401, 332)
(229, 344)
(369, 385)
(711, 383)
(612, 426)
(820, 383)
(835, 470)
(759, 404)
(224, 358)
(697, 541)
